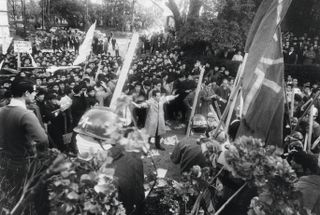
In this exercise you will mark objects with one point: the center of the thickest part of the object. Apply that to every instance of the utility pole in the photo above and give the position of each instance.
(132, 17)
(87, 15)
(23, 5)
(42, 23)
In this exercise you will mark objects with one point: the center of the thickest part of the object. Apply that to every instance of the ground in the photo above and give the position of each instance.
(162, 160)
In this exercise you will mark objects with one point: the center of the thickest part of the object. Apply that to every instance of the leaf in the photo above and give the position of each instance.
(85, 177)
(107, 172)
(92, 208)
(65, 174)
(73, 196)
(74, 187)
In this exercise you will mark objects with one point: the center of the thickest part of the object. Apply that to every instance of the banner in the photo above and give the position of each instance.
(86, 46)
(22, 46)
(125, 69)
(263, 77)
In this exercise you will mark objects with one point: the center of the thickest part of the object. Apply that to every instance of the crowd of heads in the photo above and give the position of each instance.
(301, 49)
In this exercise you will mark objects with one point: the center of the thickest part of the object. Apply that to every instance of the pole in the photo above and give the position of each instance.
(234, 92)
(292, 103)
(310, 128)
(233, 104)
(132, 17)
(42, 23)
(87, 14)
(195, 100)
(306, 111)
(19, 62)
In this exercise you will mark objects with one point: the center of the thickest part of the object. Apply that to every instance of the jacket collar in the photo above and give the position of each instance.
(17, 103)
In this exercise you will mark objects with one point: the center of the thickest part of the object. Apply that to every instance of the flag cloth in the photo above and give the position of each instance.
(85, 48)
(34, 64)
(263, 77)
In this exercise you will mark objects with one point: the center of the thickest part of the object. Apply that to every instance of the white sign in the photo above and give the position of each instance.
(22, 46)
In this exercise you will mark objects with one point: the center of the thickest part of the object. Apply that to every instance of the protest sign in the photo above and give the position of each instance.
(22, 46)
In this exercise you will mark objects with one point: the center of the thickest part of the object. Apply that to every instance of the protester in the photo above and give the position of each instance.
(21, 138)
(155, 123)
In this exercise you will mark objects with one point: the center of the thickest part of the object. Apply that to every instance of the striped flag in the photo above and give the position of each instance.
(263, 77)
(85, 48)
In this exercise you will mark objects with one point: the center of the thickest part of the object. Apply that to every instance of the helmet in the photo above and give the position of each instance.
(199, 123)
(295, 146)
(99, 123)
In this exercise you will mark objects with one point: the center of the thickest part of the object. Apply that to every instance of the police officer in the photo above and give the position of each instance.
(99, 129)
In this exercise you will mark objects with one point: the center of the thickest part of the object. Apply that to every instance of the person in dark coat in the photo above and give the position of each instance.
(129, 179)
(78, 106)
(188, 155)
(128, 166)
(55, 121)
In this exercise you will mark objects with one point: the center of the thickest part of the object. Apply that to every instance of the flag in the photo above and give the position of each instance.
(34, 64)
(85, 48)
(263, 77)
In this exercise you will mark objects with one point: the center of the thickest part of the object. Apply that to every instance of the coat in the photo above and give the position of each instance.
(129, 179)
(155, 115)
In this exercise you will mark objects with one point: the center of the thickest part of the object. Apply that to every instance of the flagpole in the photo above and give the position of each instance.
(19, 62)
(234, 93)
(233, 104)
(292, 103)
(306, 111)
(238, 93)
(195, 100)
(310, 128)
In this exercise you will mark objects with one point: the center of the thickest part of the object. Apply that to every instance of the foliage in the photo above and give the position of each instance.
(220, 24)
(73, 11)
(87, 187)
(36, 173)
(172, 197)
(273, 177)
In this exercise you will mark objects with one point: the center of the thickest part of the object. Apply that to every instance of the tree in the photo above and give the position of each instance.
(212, 22)
(14, 10)
(71, 10)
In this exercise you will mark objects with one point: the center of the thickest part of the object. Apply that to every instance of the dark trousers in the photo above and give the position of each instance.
(157, 138)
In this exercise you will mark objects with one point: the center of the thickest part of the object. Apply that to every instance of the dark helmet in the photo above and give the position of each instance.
(99, 123)
(295, 146)
(199, 123)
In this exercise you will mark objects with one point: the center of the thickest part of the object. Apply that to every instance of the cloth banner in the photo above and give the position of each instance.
(86, 46)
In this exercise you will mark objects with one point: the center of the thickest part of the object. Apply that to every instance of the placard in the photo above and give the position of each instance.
(22, 46)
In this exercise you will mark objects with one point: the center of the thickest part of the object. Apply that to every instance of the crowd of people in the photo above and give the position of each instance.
(161, 84)
(302, 49)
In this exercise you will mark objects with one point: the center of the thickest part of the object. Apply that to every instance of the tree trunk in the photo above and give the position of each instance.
(194, 9)
(171, 4)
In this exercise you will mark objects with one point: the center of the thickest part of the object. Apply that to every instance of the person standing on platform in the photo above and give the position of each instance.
(155, 123)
